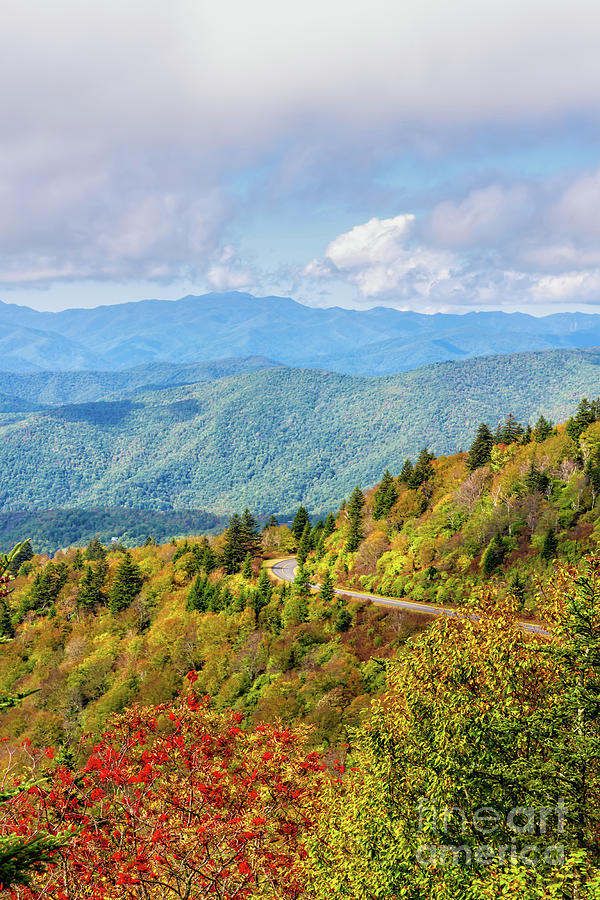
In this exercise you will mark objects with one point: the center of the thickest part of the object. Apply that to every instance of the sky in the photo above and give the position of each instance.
(431, 155)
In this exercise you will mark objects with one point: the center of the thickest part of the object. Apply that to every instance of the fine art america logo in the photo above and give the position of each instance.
(523, 835)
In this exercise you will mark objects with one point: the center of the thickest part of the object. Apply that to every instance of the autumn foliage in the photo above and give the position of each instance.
(175, 800)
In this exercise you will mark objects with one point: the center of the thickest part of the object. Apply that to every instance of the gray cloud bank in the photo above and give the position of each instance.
(123, 124)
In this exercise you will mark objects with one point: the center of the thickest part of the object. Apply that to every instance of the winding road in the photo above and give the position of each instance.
(285, 569)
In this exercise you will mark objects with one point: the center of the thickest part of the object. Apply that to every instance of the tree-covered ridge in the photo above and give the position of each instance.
(375, 341)
(54, 529)
(97, 629)
(272, 439)
(520, 497)
(475, 774)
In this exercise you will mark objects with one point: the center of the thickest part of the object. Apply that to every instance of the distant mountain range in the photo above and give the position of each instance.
(195, 329)
(271, 438)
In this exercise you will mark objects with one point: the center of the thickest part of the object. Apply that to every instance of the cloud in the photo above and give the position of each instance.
(380, 260)
(125, 126)
(227, 274)
(485, 216)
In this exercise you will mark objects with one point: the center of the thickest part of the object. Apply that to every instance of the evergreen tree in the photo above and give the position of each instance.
(250, 534)
(535, 480)
(196, 598)
(528, 435)
(91, 591)
(327, 591)
(234, 551)
(481, 448)
(208, 559)
(423, 469)
(126, 585)
(301, 584)
(303, 546)
(301, 520)
(329, 526)
(271, 523)
(385, 496)
(150, 541)
(542, 430)
(46, 587)
(6, 627)
(406, 472)
(493, 556)
(264, 592)
(355, 531)
(511, 431)
(343, 620)
(517, 586)
(247, 567)
(586, 414)
(78, 560)
(550, 545)
(95, 550)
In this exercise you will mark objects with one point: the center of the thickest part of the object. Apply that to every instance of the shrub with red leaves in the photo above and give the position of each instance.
(176, 800)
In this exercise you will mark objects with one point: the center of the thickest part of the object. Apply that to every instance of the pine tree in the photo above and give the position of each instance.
(303, 546)
(90, 591)
(343, 620)
(301, 520)
(6, 627)
(329, 526)
(355, 531)
(271, 523)
(542, 430)
(46, 587)
(196, 598)
(406, 472)
(234, 551)
(385, 496)
(510, 432)
(327, 590)
(550, 545)
(493, 556)
(78, 560)
(250, 534)
(264, 592)
(481, 448)
(528, 435)
(247, 567)
(301, 584)
(127, 584)
(423, 469)
(95, 550)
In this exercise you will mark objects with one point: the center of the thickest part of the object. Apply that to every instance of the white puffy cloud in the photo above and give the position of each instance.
(379, 258)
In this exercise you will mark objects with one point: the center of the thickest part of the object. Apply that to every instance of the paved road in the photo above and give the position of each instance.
(285, 571)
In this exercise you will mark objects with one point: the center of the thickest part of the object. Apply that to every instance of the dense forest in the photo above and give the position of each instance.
(271, 439)
(188, 726)
(521, 498)
(50, 530)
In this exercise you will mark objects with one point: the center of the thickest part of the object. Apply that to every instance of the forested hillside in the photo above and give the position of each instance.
(96, 631)
(54, 529)
(274, 438)
(436, 530)
(57, 388)
(395, 739)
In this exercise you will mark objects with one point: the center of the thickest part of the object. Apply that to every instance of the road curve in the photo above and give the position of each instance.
(285, 569)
